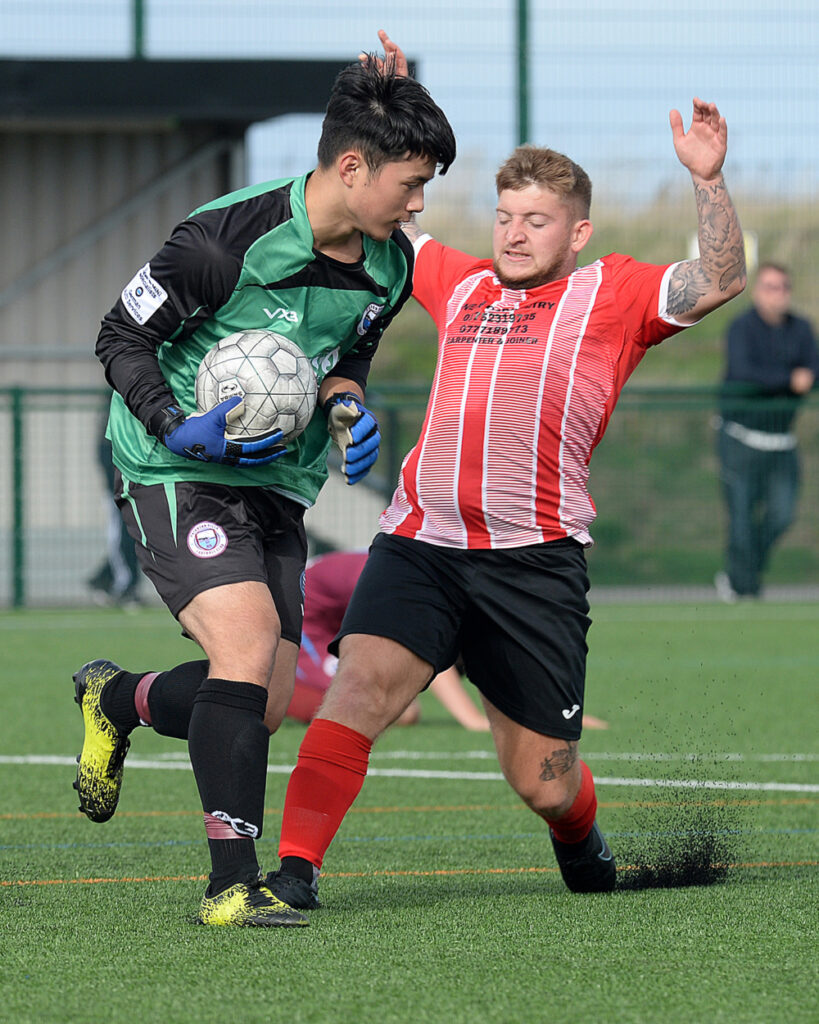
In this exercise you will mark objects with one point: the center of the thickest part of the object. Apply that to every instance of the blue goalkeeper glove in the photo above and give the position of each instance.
(355, 430)
(202, 436)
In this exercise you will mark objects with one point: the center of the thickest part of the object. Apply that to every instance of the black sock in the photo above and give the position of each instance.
(117, 700)
(298, 867)
(228, 744)
(171, 697)
(233, 860)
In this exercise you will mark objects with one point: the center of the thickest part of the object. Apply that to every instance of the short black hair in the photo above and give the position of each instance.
(385, 117)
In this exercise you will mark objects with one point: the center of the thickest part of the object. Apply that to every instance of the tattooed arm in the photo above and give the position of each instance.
(699, 286)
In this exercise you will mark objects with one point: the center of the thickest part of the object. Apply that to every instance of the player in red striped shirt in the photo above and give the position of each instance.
(482, 547)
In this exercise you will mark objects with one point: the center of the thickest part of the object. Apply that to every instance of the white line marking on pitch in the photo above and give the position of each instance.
(490, 755)
(414, 773)
(481, 755)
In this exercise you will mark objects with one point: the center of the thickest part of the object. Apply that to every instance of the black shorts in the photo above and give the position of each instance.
(191, 537)
(517, 616)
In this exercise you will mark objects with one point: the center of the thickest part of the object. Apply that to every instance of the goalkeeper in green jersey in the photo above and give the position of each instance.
(218, 523)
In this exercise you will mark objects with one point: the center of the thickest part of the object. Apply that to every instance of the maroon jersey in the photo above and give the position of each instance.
(328, 583)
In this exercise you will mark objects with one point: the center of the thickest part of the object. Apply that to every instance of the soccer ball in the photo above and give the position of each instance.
(273, 376)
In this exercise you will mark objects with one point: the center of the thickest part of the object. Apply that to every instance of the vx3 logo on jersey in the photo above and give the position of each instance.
(290, 315)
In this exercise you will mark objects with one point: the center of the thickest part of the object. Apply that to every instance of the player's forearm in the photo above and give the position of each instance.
(722, 250)
(334, 385)
(132, 369)
(699, 286)
(411, 229)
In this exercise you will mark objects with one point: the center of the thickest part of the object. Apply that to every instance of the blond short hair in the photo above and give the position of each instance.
(536, 165)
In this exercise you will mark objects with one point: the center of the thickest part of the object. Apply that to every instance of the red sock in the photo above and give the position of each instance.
(577, 822)
(326, 780)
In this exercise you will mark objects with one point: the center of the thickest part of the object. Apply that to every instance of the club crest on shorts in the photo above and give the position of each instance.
(207, 540)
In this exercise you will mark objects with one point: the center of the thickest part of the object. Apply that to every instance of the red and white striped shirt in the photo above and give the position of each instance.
(524, 388)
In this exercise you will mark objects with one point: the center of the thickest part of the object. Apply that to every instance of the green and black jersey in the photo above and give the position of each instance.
(243, 262)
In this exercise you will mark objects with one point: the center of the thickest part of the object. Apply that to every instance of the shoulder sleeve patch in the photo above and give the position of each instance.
(143, 295)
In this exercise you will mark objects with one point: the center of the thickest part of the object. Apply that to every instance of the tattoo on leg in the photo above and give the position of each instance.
(559, 762)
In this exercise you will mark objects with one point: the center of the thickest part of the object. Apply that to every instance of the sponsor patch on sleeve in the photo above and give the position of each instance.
(143, 295)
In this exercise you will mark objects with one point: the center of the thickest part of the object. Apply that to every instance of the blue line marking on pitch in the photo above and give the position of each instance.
(98, 846)
(419, 839)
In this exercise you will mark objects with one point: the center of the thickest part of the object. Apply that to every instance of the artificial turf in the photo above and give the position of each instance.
(441, 898)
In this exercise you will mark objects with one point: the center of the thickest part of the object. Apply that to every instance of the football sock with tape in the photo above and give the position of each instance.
(117, 700)
(170, 698)
(228, 743)
(328, 776)
(576, 823)
(163, 700)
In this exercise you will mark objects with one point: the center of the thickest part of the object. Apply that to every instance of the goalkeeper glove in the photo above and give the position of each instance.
(202, 436)
(355, 431)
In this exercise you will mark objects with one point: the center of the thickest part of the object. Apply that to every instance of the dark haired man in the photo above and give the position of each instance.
(771, 364)
(218, 524)
(481, 549)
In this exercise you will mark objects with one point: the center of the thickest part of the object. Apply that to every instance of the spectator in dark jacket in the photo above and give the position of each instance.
(772, 362)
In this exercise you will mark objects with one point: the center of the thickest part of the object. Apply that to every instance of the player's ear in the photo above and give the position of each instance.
(350, 167)
(581, 233)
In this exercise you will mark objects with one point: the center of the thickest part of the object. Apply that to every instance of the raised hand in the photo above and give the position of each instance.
(393, 59)
(702, 148)
(698, 286)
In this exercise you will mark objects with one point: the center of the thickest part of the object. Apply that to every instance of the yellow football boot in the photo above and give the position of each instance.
(249, 904)
(100, 765)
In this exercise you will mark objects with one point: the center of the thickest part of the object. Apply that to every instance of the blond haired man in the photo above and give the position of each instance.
(482, 547)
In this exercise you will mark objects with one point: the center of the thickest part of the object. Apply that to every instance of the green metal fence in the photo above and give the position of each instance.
(654, 480)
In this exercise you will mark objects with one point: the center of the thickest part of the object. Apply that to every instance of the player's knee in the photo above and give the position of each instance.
(362, 697)
(251, 660)
(550, 800)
